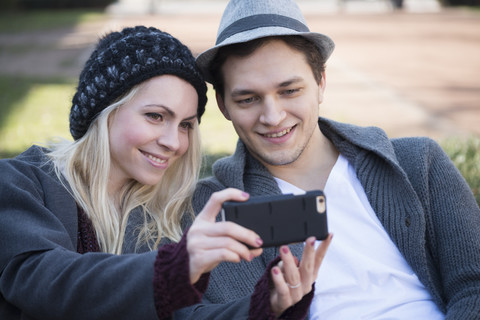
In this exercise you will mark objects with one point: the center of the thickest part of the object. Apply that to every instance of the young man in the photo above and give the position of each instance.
(406, 225)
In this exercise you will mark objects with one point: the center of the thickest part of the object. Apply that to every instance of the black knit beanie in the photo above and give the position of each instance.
(124, 59)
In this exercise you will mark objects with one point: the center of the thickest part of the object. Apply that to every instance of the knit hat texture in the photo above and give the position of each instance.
(124, 59)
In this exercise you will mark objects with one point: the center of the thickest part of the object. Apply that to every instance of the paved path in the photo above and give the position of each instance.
(412, 72)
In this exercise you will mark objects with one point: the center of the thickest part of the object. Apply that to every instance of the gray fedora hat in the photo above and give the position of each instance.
(245, 20)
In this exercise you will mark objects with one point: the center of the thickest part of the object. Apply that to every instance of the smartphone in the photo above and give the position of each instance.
(281, 219)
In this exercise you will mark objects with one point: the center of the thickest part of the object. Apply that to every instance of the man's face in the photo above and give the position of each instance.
(272, 99)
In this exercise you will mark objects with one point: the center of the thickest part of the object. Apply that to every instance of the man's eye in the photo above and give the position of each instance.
(247, 100)
(291, 91)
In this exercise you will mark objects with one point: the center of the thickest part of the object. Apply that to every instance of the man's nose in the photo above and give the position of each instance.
(272, 112)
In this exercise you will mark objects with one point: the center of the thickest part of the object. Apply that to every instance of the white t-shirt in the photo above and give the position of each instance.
(363, 275)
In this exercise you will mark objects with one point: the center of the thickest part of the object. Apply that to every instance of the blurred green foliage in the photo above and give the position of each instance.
(43, 20)
(35, 110)
(20, 5)
(32, 111)
(465, 154)
(457, 3)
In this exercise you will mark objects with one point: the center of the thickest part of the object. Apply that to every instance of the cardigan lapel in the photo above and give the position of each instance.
(386, 185)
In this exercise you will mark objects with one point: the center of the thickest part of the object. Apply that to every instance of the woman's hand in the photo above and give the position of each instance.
(210, 242)
(291, 280)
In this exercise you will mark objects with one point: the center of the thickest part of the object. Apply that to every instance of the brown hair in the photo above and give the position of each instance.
(312, 55)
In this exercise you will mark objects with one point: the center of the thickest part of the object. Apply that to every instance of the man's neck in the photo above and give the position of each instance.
(311, 170)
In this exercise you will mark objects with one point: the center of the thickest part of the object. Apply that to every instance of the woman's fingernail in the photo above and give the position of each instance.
(285, 249)
(245, 194)
(275, 270)
(259, 241)
(312, 242)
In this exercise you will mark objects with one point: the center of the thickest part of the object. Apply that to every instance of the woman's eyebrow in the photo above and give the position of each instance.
(170, 112)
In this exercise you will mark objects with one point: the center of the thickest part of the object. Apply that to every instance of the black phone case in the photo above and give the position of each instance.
(281, 219)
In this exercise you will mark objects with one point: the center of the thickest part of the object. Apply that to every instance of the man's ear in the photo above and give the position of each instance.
(321, 87)
(221, 106)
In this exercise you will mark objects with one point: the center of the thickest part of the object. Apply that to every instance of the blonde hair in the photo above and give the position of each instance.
(85, 165)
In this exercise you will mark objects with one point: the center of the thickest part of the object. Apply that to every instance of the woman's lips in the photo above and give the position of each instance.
(155, 159)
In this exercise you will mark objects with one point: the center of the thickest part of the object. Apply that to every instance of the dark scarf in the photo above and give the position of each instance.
(86, 238)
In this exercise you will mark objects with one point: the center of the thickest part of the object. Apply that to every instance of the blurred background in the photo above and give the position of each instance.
(408, 66)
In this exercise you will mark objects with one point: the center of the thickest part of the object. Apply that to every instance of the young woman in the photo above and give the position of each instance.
(70, 213)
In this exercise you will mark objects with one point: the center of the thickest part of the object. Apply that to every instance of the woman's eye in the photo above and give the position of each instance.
(155, 116)
(186, 125)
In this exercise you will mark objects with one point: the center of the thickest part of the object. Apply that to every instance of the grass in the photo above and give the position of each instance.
(44, 20)
(35, 110)
(465, 155)
(218, 135)
(32, 111)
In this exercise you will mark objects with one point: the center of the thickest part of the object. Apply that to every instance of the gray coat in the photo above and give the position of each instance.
(41, 274)
(419, 196)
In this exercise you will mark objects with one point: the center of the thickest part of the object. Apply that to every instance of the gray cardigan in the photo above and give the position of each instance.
(419, 196)
(41, 274)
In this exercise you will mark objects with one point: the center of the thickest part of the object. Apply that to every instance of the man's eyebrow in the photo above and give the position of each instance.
(290, 82)
(241, 92)
(286, 83)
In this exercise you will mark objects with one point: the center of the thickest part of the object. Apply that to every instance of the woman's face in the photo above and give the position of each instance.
(151, 131)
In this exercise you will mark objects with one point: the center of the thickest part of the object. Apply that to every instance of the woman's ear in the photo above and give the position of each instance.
(221, 106)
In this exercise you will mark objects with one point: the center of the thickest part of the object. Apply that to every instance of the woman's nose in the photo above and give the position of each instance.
(169, 138)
